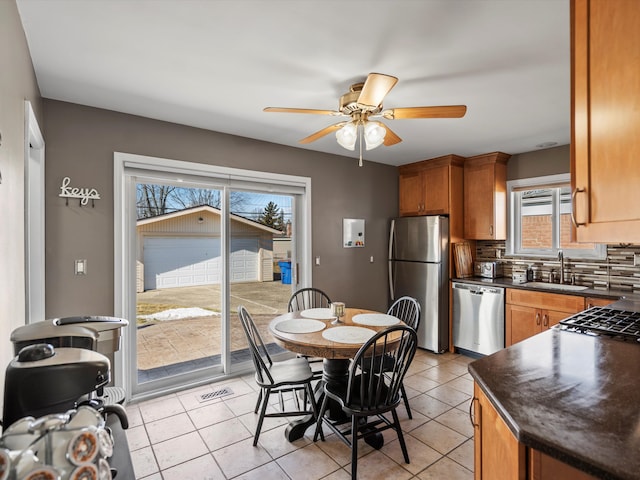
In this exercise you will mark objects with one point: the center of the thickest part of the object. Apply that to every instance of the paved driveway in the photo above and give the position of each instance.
(163, 343)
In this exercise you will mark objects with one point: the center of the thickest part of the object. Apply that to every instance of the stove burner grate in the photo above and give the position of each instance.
(605, 321)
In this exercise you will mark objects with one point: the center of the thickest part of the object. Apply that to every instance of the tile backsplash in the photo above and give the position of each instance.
(616, 272)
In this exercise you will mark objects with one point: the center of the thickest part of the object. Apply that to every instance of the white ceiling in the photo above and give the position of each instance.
(215, 64)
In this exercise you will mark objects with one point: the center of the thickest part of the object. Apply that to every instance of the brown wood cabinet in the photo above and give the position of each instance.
(605, 145)
(597, 302)
(499, 456)
(497, 453)
(431, 187)
(528, 312)
(485, 197)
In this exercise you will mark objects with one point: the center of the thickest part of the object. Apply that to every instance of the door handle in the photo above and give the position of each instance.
(472, 411)
(573, 207)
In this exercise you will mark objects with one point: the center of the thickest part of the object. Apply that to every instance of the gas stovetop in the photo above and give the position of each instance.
(605, 321)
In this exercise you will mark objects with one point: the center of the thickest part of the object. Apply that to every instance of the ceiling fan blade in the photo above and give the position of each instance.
(448, 111)
(391, 138)
(375, 89)
(321, 133)
(301, 110)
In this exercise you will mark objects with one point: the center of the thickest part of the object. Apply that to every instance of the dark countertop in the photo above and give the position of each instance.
(507, 282)
(574, 397)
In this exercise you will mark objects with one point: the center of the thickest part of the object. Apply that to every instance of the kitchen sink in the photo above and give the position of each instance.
(556, 286)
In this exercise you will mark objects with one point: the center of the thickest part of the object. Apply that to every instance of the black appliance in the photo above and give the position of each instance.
(605, 321)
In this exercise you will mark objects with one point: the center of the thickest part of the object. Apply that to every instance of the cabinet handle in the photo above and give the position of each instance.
(545, 320)
(538, 318)
(471, 411)
(491, 230)
(573, 207)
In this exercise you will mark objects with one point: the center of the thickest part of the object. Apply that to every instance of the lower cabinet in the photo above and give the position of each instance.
(499, 456)
(529, 312)
(497, 453)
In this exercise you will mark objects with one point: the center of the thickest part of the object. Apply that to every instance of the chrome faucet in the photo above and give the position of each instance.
(561, 259)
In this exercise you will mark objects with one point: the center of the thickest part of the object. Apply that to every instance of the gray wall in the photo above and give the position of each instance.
(538, 163)
(17, 84)
(80, 144)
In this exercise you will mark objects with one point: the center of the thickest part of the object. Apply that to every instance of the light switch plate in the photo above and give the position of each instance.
(81, 267)
(636, 259)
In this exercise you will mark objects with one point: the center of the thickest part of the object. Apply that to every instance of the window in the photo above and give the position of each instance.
(540, 219)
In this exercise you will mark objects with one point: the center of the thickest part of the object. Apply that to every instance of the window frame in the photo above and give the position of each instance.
(514, 220)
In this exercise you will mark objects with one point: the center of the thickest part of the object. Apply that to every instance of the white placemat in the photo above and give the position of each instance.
(318, 313)
(348, 334)
(375, 319)
(299, 325)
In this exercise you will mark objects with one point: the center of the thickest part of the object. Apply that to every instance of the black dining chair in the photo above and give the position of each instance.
(292, 376)
(371, 391)
(308, 298)
(406, 309)
(304, 299)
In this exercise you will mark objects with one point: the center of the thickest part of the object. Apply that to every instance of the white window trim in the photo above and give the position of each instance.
(599, 252)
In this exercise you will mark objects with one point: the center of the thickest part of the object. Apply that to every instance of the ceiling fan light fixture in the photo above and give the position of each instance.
(347, 136)
(374, 133)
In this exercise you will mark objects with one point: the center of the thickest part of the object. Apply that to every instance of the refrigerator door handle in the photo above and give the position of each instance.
(391, 287)
(392, 233)
(390, 257)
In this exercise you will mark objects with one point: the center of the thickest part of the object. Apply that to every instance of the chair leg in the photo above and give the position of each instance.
(406, 401)
(354, 446)
(263, 410)
(398, 429)
(255, 410)
(314, 406)
(323, 408)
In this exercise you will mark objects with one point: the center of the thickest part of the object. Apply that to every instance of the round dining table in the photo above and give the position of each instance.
(335, 350)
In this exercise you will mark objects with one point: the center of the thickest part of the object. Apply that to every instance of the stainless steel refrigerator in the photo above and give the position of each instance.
(419, 267)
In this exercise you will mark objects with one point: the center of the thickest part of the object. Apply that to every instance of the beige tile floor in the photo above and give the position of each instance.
(177, 437)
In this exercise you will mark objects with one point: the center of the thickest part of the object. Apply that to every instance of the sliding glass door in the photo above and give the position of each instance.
(195, 248)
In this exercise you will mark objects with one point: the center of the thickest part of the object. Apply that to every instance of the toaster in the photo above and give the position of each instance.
(488, 269)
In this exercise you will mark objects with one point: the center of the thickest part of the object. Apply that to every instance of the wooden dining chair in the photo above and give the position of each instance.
(371, 391)
(406, 309)
(304, 299)
(293, 376)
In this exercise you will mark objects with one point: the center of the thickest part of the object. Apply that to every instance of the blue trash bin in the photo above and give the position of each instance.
(285, 270)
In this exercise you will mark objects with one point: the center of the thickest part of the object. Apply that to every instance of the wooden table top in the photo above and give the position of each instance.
(314, 344)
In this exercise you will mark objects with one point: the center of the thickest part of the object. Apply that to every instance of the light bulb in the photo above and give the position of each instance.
(374, 133)
(347, 136)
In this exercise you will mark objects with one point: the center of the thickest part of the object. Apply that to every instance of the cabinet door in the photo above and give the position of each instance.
(436, 190)
(521, 323)
(479, 202)
(552, 317)
(411, 194)
(498, 454)
(606, 120)
(544, 467)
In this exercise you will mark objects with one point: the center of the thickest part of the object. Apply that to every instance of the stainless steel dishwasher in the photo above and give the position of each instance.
(478, 318)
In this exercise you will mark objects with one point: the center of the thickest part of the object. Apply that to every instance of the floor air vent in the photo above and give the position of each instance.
(222, 392)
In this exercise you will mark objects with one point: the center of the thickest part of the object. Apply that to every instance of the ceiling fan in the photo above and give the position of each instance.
(364, 102)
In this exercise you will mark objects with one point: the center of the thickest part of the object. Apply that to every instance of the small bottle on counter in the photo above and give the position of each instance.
(529, 273)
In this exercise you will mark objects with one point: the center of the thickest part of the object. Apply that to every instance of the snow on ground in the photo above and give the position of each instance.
(179, 313)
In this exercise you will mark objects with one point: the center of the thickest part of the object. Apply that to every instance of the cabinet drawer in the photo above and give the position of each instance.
(551, 301)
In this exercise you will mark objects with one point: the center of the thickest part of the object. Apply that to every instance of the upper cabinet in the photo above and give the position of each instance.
(605, 153)
(431, 187)
(485, 197)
